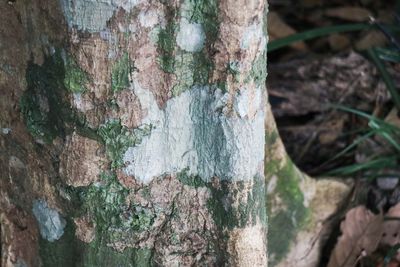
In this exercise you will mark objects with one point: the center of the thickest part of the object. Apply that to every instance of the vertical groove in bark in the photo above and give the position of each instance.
(138, 132)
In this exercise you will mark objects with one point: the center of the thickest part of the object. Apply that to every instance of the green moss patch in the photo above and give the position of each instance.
(284, 225)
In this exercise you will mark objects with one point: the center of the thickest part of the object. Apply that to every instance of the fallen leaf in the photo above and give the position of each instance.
(392, 118)
(361, 232)
(391, 228)
(371, 39)
(349, 13)
(338, 41)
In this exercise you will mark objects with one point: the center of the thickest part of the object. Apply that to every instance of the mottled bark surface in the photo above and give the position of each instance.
(132, 133)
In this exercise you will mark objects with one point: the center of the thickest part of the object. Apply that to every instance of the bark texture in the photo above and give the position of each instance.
(132, 133)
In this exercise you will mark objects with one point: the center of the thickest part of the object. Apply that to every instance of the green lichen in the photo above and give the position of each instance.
(44, 105)
(271, 138)
(105, 202)
(189, 179)
(166, 45)
(63, 252)
(69, 251)
(189, 68)
(118, 139)
(120, 73)
(114, 218)
(41, 104)
(250, 210)
(258, 72)
(102, 255)
(75, 79)
(142, 219)
(284, 224)
(205, 13)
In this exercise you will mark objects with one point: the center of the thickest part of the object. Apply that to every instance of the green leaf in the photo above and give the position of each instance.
(314, 33)
(375, 164)
(388, 54)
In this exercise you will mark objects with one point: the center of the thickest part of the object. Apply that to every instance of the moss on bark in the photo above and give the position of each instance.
(44, 104)
(287, 218)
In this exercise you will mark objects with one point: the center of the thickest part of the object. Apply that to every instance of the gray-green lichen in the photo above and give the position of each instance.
(118, 139)
(44, 105)
(69, 251)
(92, 15)
(51, 223)
(250, 211)
(120, 73)
(182, 46)
(41, 104)
(258, 72)
(75, 78)
(194, 133)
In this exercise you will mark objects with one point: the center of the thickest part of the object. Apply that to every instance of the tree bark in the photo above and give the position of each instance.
(133, 133)
(137, 133)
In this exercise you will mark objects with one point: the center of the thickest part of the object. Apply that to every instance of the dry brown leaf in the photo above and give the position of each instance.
(277, 28)
(371, 39)
(391, 228)
(392, 118)
(361, 232)
(338, 41)
(349, 13)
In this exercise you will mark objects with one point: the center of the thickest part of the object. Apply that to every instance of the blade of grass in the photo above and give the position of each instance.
(385, 76)
(388, 35)
(388, 54)
(314, 33)
(390, 139)
(370, 165)
(352, 145)
(382, 123)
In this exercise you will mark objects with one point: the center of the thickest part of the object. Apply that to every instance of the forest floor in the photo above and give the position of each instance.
(336, 102)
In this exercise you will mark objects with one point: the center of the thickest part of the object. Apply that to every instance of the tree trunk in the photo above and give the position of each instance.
(132, 134)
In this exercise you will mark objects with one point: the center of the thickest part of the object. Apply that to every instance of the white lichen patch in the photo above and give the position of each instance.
(150, 18)
(191, 36)
(80, 103)
(92, 15)
(5, 130)
(51, 224)
(244, 102)
(194, 133)
(16, 163)
(253, 35)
